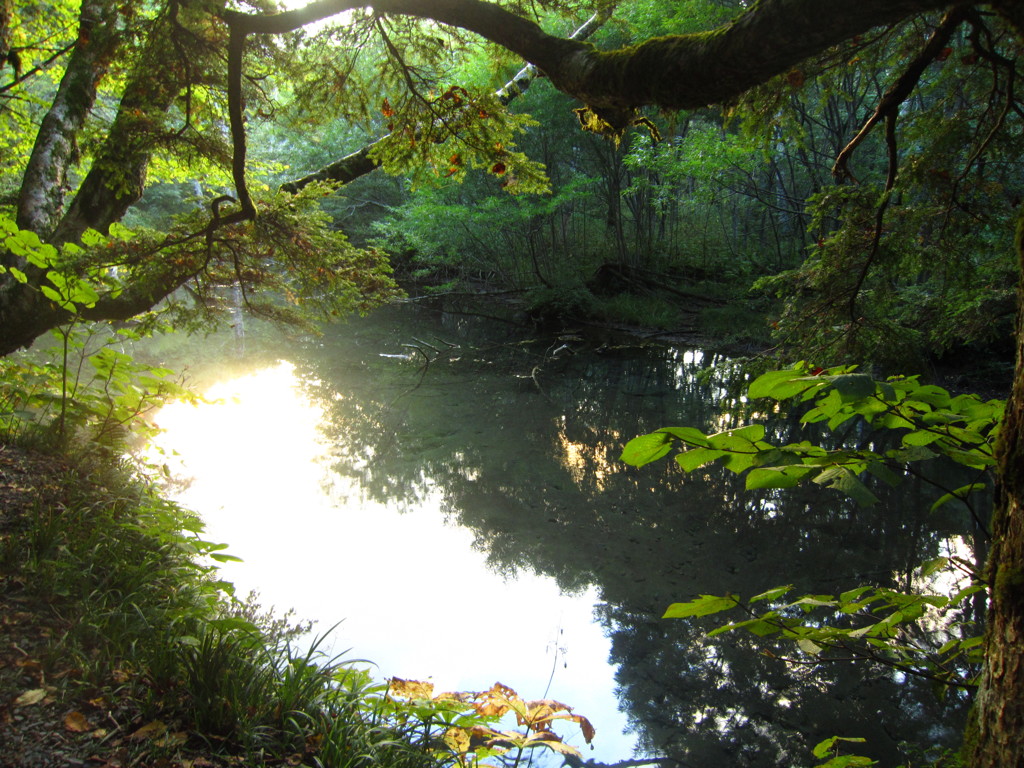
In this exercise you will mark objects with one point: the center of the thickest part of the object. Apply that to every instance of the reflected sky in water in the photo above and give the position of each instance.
(413, 594)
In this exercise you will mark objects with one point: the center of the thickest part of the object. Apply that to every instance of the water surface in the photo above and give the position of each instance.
(450, 491)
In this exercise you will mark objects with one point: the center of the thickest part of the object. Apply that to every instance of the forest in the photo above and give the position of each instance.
(833, 181)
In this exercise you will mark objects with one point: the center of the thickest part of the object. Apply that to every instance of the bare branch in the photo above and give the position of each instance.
(902, 88)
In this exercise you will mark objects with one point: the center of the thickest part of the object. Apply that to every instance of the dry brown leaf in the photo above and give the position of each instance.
(557, 745)
(175, 739)
(314, 742)
(76, 722)
(457, 740)
(411, 689)
(28, 698)
(151, 730)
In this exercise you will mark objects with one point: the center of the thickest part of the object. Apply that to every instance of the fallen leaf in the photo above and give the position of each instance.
(175, 739)
(150, 730)
(76, 722)
(30, 697)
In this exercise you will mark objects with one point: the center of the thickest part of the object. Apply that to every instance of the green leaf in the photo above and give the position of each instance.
(809, 646)
(782, 385)
(971, 642)
(883, 473)
(911, 454)
(976, 459)
(705, 605)
(777, 477)
(852, 594)
(823, 748)
(55, 297)
(698, 457)
(120, 231)
(752, 432)
(844, 481)
(810, 602)
(739, 461)
(221, 557)
(748, 624)
(959, 494)
(646, 448)
(687, 435)
(771, 594)
(921, 437)
(91, 238)
(965, 593)
(854, 386)
(848, 761)
(42, 256)
(20, 276)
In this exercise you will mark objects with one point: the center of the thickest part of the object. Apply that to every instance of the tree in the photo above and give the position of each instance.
(151, 86)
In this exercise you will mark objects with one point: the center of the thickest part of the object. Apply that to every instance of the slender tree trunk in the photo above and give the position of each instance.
(6, 12)
(118, 175)
(44, 185)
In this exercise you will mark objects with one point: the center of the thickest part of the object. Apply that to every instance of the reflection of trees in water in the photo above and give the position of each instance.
(525, 449)
(725, 703)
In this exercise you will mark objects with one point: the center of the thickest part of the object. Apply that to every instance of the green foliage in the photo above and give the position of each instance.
(459, 131)
(914, 259)
(69, 287)
(869, 623)
(84, 388)
(831, 746)
(919, 632)
(487, 236)
(930, 421)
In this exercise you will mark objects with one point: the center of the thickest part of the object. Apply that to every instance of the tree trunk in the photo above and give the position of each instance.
(55, 151)
(995, 737)
(118, 175)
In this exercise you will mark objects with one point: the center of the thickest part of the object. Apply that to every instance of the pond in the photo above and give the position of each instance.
(449, 490)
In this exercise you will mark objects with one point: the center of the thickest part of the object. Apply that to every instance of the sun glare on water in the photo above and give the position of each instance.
(254, 463)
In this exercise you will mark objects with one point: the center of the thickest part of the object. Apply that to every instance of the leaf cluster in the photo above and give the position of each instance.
(466, 722)
(868, 622)
(930, 422)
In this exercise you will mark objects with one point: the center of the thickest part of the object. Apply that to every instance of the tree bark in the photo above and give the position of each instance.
(44, 185)
(671, 72)
(995, 737)
(118, 174)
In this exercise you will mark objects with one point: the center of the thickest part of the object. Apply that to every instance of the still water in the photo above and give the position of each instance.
(449, 491)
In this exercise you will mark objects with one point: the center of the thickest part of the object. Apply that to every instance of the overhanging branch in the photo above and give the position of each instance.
(361, 162)
(671, 72)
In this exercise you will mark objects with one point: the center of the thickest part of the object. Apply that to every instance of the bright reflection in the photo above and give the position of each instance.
(414, 596)
(584, 461)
